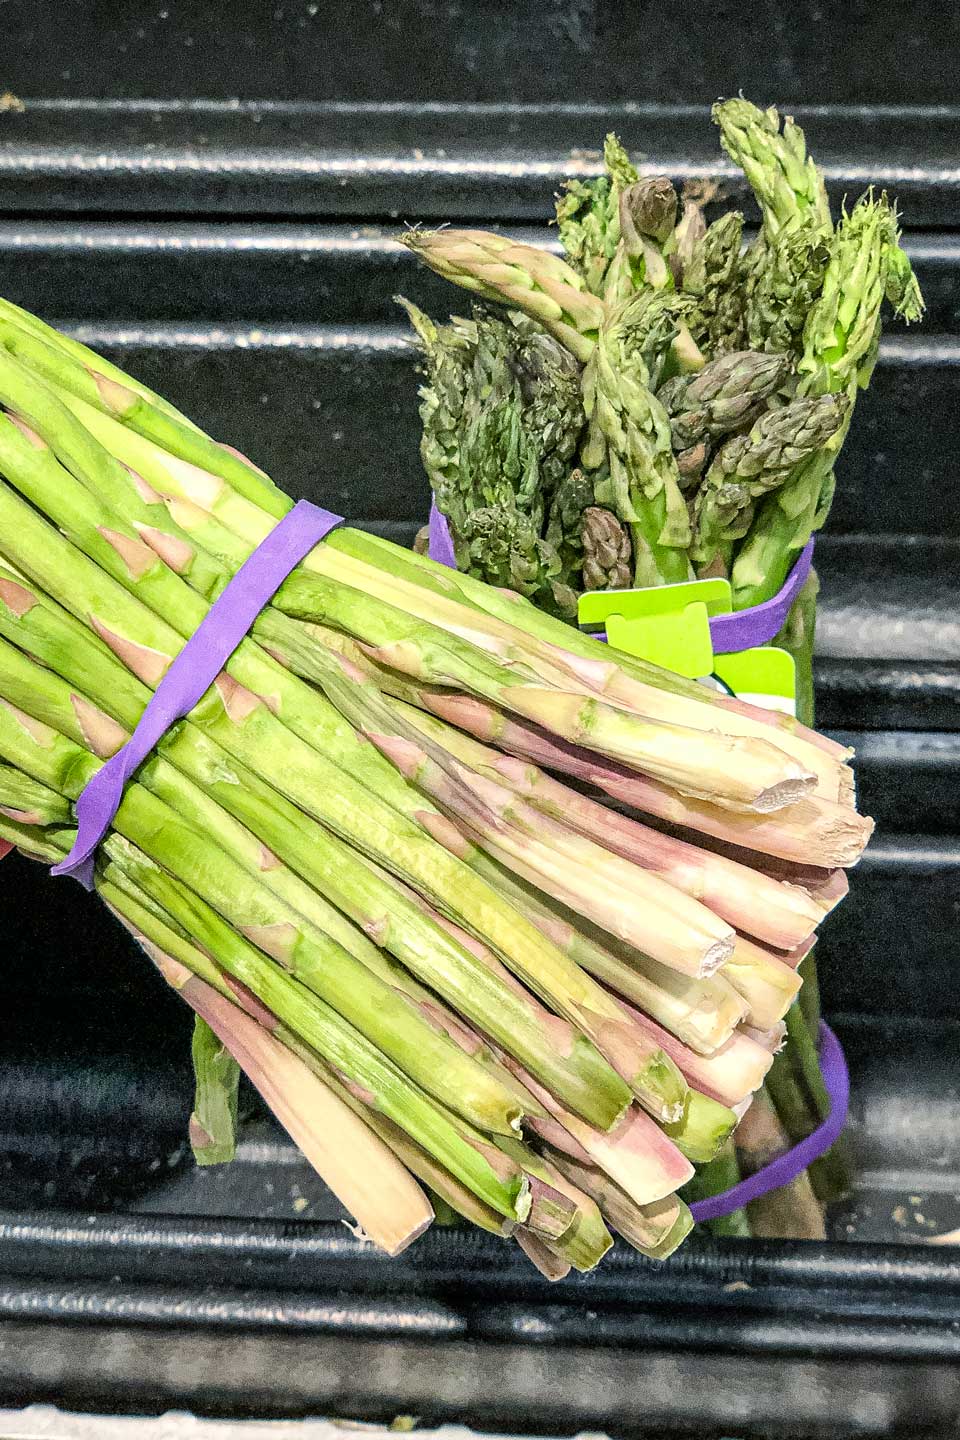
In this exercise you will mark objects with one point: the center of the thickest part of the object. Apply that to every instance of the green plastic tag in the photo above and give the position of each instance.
(669, 626)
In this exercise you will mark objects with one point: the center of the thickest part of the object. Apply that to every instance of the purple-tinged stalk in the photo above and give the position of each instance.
(781, 914)
(809, 831)
(729, 1075)
(655, 1230)
(365, 1176)
(609, 891)
(636, 1154)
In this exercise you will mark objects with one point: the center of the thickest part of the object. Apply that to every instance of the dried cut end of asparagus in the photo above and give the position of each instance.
(703, 1129)
(731, 1074)
(635, 1153)
(551, 1265)
(767, 984)
(585, 1239)
(369, 1181)
(213, 1123)
(655, 1230)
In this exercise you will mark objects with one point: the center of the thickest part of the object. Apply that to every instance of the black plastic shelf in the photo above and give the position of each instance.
(410, 160)
(275, 272)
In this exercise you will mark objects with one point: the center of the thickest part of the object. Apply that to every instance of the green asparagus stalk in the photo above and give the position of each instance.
(725, 395)
(164, 941)
(784, 179)
(213, 1122)
(840, 341)
(711, 281)
(705, 1127)
(718, 1175)
(373, 901)
(522, 276)
(24, 800)
(415, 1042)
(588, 216)
(750, 466)
(629, 431)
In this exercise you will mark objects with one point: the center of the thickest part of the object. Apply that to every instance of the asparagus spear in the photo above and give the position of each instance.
(629, 431)
(711, 280)
(532, 280)
(372, 900)
(774, 159)
(725, 395)
(607, 552)
(841, 336)
(213, 1122)
(164, 941)
(588, 216)
(146, 817)
(750, 466)
(387, 1203)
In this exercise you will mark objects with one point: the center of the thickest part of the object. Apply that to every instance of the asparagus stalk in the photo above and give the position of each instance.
(655, 1230)
(705, 1127)
(191, 486)
(782, 915)
(784, 178)
(161, 939)
(24, 800)
(648, 689)
(177, 839)
(767, 984)
(386, 1201)
(827, 833)
(730, 1075)
(840, 344)
(629, 431)
(674, 929)
(522, 276)
(546, 1045)
(213, 1122)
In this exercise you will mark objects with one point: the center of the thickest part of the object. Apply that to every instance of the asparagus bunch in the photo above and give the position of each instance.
(440, 965)
(686, 340)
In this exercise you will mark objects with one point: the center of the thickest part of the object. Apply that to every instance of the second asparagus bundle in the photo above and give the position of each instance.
(355, 858)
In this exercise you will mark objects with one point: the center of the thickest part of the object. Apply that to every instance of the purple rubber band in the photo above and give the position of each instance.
(441, 541)
(787, 1167)
(742, 630)
(193, 672)
(759, 624)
